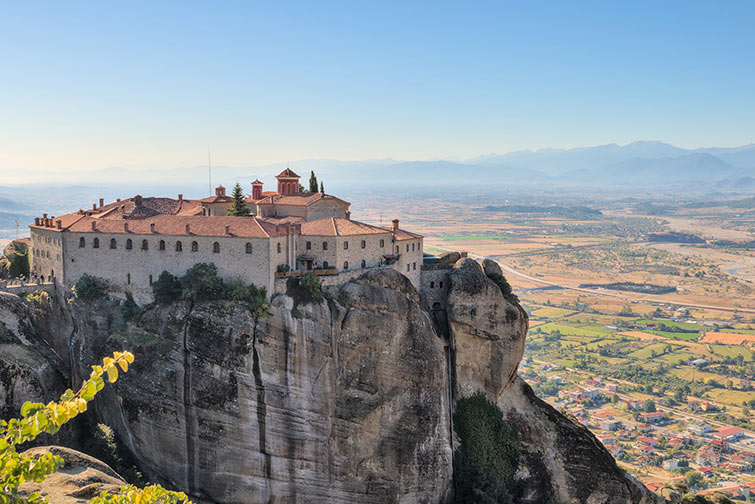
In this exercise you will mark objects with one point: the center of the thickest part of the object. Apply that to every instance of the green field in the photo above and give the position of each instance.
(732, 351)
(572, 330)
(671, 323)
(674, 335)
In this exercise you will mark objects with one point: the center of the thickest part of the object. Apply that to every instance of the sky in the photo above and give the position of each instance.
(87, 86)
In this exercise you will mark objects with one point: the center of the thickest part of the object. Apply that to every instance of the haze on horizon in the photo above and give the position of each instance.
(90, 87)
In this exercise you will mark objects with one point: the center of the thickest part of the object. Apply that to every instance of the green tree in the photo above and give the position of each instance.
(693, 478)
(304, 290)
(14, 262)
(167, 288)
(201, 283)
(129, 310)
(254, 297)
(89, 288)
(312, 182)
(38, 418)
(238, 206)
(649, 406)
(488, 452)
(322, 187)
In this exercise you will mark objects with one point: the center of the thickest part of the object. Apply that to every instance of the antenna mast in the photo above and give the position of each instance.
(209, 168)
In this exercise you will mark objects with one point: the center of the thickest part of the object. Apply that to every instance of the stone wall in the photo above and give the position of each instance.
(410, 260)
(46, 255)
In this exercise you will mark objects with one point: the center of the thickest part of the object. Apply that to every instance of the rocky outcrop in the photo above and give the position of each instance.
(348, 401)
(81, 477)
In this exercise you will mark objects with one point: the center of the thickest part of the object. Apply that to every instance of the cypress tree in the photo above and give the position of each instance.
(238, 207)
(322, 188)
(313, 182)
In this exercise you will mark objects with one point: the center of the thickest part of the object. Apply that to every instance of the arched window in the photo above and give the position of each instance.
(162, 245)
(432, 285)
(325, 265)
(309, 245)
(113, 243)
(194, 246)
(129, 244)
(216, 247)
(407, 247)
(179, 246)
(82, 242)
(382, 243)
(364, 244)
(96, 243)
(325, 245)
(346, 245)
(279, 248)
(248, 248)
(364, 263)
(412, 247)
(346, 265)
(145, 245)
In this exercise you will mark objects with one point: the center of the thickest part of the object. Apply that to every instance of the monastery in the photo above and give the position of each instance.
(130, 242)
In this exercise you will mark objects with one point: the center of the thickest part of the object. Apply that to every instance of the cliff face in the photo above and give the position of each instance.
(350, 403)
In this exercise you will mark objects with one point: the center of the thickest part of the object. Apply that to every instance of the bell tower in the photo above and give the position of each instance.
(257, 190)
(288, 182)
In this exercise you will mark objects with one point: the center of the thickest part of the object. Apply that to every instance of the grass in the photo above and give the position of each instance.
(646, 353)
(675, 335)
(671, 323)
(573, 330)
(690, 373)
(734, 397)
(552, 312)
(732, 351)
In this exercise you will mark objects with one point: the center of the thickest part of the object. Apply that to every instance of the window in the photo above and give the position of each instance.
(408, 266)
(309, 245)
(96, 243)
(216, 247)
(150, 279)
(432, 285)
(145, 245)
(412, 247)
(113, 243)
(364, 263)
(414, 266)
(194, 246)
(346, 265)
(279, 248)
(128, 278)
(325, 245)
(382, 243)
(364, 244)
(162, 245)
(346, 245)
(248, 248)
(441, 285)
(325, 264)
(179, 246)
(129, 244)
(397, 249)
(407, 247)
(82, 242)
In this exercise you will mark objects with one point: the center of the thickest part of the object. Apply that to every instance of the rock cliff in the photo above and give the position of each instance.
(351, 402)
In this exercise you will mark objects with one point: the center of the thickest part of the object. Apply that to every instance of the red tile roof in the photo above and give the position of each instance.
(402, 235)
(175, 225)
(338, 227)
(297, 199)
(287, 173)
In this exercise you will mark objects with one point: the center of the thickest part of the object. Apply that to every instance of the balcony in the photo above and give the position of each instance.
(316, 271)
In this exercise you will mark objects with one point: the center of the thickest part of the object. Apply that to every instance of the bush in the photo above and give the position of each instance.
(129, 310)
(488, 452)
(505, 286)
(254, 297)
(14, 261)
(167, 288)
(89, 288)
(304, 290)
(102, 444)
(201, 283)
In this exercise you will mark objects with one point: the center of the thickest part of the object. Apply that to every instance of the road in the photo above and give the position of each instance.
(597, 292)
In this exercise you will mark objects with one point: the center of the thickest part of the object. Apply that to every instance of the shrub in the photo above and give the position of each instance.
(167, 288)
(488, 452)
(89, 288)
(201, 283)
(103, 444)
(129, 310)
(305, 289)
(14, 261)
(254, 297)
(505, 286)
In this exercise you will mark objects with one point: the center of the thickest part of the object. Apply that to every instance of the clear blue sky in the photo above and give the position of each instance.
(91, 85)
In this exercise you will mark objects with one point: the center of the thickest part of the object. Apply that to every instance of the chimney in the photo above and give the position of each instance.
(137, 200)
(59, 224)
(36, 221)
(188, 231)
(117, 200)
(125, 227)
(44, 215)
(227, 229)
(94, 226)
(94, 206)
(151, 227)
(220, 191)
(395, 224)
(102, 202)
(348, 214)
(180, 197)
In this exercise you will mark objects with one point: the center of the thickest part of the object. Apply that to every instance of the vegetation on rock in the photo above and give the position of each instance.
(201, 283)
(14, 262)
(486, 459)
(89, 288)
(167, 288)
(305, 289)
(38, 418)
(505, 286)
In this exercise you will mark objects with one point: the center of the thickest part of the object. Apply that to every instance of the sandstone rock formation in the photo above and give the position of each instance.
(352, 402)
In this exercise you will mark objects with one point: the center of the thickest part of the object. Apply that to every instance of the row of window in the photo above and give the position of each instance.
(43, 254)
(412, 266)
(345, 245)
(161, 245)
